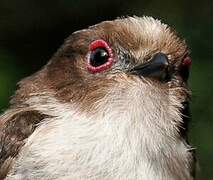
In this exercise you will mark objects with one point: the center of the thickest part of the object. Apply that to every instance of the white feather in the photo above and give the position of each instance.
(131, 135)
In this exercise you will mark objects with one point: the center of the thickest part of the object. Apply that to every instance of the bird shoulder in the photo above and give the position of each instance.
(16, 125)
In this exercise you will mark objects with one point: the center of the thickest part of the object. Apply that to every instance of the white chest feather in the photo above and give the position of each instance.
(122, 141)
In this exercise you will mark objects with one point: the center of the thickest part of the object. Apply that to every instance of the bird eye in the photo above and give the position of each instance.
(100, 56)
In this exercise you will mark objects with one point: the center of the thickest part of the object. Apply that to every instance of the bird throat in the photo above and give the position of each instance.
(121, 140)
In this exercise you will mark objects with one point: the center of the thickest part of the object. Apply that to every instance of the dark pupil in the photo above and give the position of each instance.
(98, 57)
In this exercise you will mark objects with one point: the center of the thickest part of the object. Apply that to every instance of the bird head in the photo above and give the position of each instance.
(138, 61)
(120, 55)
(108, 92)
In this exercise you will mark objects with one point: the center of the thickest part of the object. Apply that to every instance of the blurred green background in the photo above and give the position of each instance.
(32, 30)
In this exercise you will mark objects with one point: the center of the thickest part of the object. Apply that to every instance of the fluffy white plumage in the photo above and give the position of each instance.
(120, 139)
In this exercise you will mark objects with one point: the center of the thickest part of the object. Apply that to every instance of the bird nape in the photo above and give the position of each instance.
(111, 104)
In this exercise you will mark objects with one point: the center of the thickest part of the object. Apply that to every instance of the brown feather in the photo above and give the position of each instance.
(15, 128)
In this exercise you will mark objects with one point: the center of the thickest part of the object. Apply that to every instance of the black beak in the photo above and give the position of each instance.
(157, 67)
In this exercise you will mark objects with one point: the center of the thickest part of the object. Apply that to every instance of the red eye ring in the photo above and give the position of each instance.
(94, 46)
(187, 61)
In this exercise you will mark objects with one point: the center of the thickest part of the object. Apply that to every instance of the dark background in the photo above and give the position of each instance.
(32, 30)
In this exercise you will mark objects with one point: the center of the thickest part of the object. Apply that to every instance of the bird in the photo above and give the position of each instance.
(111, 104)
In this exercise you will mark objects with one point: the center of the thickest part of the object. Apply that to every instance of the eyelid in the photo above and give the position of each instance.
(93, 46)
